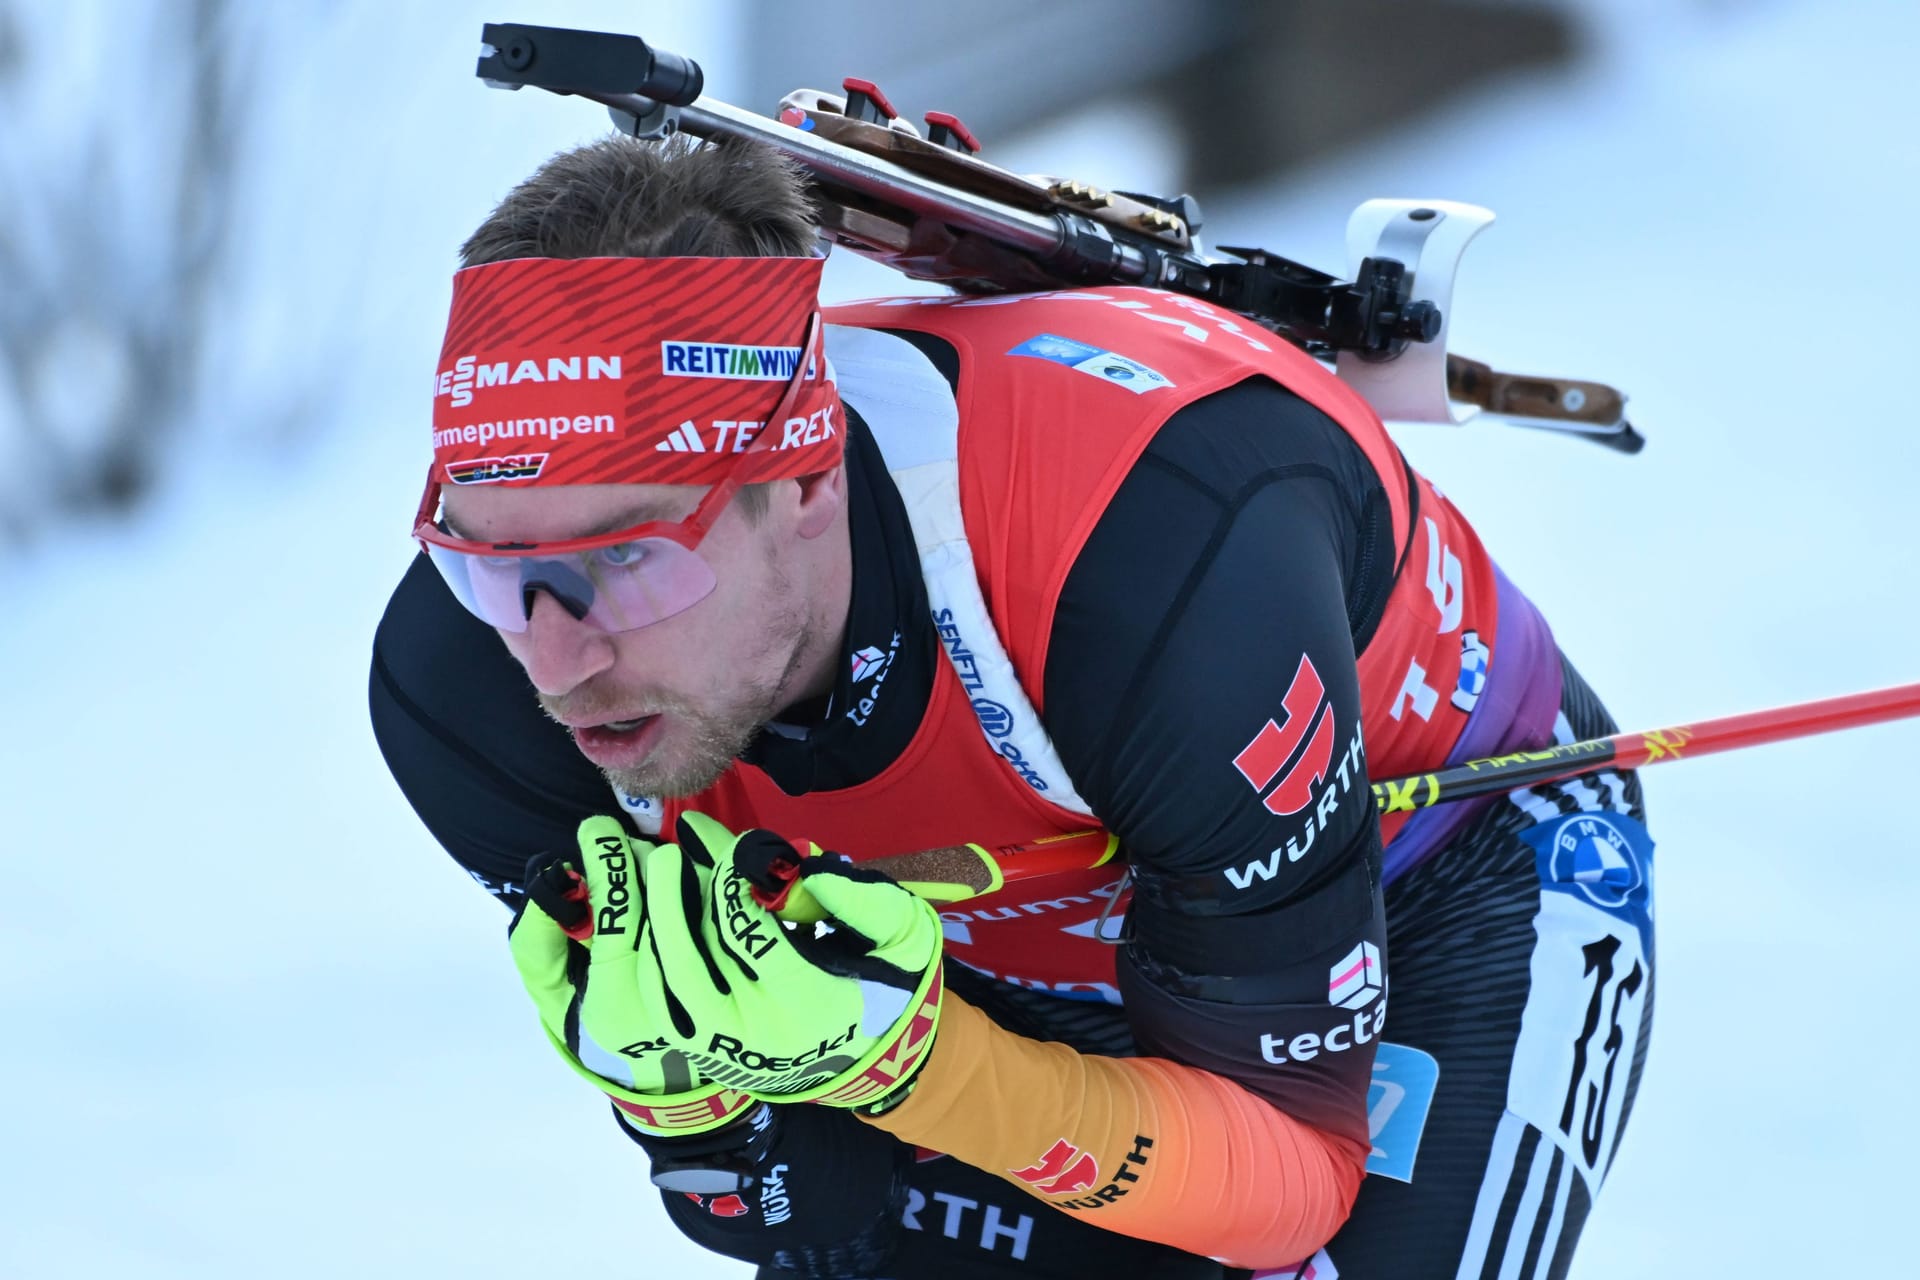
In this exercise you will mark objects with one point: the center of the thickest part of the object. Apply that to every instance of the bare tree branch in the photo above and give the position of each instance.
(111, 248)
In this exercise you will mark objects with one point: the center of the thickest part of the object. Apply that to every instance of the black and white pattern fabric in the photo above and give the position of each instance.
(1523, 983)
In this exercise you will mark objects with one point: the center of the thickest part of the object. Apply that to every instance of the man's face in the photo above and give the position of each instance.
(663, 709)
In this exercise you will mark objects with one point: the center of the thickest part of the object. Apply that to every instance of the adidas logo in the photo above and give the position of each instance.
(684, 438)
(728, 437)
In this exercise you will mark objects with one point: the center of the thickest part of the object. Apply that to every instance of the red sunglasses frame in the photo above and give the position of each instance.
(689, 532)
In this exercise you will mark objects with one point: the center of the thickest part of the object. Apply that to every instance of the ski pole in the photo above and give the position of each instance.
(968, 871)
(1652, 746)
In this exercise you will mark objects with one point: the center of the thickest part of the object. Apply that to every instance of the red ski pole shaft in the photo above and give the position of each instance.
(954, 874)
(1653, 746)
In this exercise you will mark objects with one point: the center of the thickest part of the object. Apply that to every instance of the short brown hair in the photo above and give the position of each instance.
(624, 198)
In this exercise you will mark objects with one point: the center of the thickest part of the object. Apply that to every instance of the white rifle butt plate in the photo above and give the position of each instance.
(1429, 237)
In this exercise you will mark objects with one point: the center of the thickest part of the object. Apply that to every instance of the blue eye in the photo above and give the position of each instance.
(622, 555)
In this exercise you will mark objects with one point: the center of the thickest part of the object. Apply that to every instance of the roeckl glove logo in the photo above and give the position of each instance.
(740, 1055)
(751, 932)
(613, 852)
(641, 1048)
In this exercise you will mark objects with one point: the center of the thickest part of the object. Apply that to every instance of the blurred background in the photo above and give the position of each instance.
(252, 1020)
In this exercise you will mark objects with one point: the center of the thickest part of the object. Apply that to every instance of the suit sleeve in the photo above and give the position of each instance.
(1202, 690)
(490, 776)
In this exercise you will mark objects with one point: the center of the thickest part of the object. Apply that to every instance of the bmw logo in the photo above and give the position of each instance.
(1595, 857)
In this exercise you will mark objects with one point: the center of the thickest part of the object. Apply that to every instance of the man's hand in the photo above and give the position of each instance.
(576, 943)
(842, 1015)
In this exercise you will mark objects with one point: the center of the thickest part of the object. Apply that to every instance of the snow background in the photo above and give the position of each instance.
(253, 1021)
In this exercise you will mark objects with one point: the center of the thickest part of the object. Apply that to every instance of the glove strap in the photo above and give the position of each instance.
(681, 1114)
(885, 1077)
(668, 1115)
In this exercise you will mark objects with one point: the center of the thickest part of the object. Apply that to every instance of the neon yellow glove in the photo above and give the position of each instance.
(843, 1016)
(574, 943)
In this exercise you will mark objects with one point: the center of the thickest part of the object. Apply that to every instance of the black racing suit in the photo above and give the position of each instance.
(1251, 514)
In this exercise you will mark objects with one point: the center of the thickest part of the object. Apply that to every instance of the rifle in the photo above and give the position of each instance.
(929, 207)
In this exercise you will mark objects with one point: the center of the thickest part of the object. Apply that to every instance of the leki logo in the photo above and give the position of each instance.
(1063, 1170)
(900, 1058)
(1354, 983)
(699, 1115)
(1275, 749)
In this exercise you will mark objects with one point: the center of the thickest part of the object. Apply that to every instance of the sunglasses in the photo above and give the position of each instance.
(618, 581)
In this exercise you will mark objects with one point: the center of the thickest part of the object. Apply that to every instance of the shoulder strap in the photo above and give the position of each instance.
(910, 410)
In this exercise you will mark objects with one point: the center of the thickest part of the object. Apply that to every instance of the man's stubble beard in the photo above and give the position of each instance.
(706, 743)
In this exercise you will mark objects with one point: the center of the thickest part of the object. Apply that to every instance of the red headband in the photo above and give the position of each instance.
(631, 371)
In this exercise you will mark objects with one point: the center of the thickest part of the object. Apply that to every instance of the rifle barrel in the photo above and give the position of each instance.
(1040, 234)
